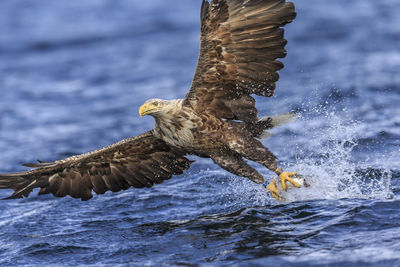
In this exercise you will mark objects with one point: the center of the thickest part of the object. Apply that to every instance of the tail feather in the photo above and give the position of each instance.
(281, 119)
(265, 134)
(267, 123)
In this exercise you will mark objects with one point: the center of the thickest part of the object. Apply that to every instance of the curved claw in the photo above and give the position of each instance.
(286, 177)
(273, 190)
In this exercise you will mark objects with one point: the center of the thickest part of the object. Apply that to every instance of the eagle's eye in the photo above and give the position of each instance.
(155, 104)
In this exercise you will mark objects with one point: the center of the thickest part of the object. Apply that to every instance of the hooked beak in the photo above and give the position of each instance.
(144, 110)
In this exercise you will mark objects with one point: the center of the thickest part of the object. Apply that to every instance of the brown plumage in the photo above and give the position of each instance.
(240, 43)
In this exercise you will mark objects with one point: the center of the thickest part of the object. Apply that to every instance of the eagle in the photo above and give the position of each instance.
(240, 43)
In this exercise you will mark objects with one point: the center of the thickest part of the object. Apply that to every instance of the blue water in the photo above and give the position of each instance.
(74, 73)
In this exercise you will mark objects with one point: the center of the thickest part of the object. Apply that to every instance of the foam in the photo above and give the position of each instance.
(331, 169)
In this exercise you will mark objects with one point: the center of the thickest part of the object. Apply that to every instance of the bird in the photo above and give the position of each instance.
(240, 44)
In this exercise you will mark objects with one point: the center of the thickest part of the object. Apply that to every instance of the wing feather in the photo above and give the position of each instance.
(140, 161)
(241, 41)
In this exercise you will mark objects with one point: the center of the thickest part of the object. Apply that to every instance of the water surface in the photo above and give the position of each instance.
(74, 73)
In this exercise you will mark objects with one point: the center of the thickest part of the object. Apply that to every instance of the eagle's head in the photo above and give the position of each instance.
(153, 107)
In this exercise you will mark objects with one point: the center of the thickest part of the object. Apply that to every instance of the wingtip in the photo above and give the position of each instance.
(12, 197)
(204, 10)
(11, 175)
(292, 6)
(36, 165)
(29, 165)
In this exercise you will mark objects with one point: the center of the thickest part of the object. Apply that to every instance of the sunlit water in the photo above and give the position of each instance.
(73, 74)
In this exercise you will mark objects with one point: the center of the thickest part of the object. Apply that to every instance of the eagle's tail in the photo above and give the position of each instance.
(266, 123)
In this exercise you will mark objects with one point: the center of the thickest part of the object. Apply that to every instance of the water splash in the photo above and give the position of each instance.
(324, 154)
(328, 163)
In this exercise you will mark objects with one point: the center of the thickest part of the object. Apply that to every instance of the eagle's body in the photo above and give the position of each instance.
(204, 135)
(240, 42)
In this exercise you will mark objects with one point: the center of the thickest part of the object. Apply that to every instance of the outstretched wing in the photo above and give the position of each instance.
(140, 161)
(240, 42)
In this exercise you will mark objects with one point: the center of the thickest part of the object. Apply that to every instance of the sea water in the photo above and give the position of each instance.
(74, 73)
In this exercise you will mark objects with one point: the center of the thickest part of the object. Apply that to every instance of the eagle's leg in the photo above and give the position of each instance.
(254, 150)
(234, 163)
(273, 190)
(286, 177)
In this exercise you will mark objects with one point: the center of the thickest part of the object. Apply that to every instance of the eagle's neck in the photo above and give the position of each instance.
(174, 124)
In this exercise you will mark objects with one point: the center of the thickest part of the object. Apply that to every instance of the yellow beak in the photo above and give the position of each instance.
(144, 110)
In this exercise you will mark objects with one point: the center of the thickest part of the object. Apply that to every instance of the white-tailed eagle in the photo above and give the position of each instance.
(241, 41)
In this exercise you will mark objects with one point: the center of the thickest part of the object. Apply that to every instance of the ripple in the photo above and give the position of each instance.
(73, 74)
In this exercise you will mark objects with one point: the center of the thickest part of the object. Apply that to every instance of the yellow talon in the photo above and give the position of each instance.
(286, 177)
(274, 191)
